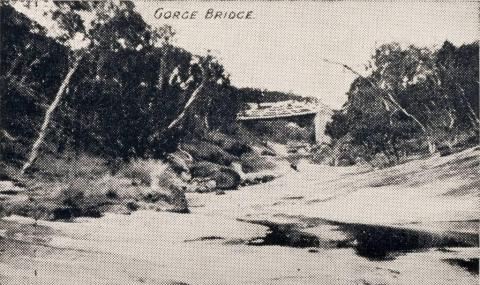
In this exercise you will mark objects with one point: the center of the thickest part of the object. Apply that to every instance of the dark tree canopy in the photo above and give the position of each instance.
(115, 104)
(440, 88)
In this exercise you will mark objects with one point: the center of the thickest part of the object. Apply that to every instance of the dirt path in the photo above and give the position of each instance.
(412, 224)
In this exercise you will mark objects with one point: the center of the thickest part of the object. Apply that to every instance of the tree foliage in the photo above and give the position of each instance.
(439, 88)
(129, 86)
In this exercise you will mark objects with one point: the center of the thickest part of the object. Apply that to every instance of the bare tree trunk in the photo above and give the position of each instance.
(431, 145)
(473, 116)
(163, 69)
(189, 102)
(389, 98)
(48, 115)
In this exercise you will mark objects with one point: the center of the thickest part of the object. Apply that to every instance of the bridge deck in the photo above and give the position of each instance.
(274, 116)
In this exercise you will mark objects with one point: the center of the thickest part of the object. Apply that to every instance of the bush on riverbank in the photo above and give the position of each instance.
(414, 100)
(88, 189)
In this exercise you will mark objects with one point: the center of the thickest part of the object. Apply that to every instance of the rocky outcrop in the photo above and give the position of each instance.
(221, 162)
(253, 162)
(229, 144)
(201, 150)
(224, 177)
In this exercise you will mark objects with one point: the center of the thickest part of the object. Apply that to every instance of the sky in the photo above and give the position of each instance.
(284, 46)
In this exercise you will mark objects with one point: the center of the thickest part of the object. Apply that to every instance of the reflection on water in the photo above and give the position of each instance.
(370, 241)
(471, 265)
(383, 242)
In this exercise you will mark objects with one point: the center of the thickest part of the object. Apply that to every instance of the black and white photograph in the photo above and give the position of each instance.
(239, 142)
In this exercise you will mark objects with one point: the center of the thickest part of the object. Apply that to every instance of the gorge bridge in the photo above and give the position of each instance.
(311, 117)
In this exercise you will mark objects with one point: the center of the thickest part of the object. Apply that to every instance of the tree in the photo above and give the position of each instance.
(459, 75)
(105, 34)
(71, 24)
(338, 126)
(48, 115)
(212, 74)
(32, 65)
(389, 100)
(408, 92)
(130, 84)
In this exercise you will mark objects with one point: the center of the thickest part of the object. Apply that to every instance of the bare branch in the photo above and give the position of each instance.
(185, 109)
(28, 69)
(473, 116)
(192, 98)
(350, 69)
(6, 135)
(14, 65)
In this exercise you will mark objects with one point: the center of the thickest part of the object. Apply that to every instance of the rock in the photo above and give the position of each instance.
(160, 187)
(252, 162)
(224, 177)
(344, 162)
(131, 205)
(9, 188)
(257, 179)
(202, 169)
(4, 185)
(201, 150)
(180, 161)
(268, 152)
(227, 178)
(179, 202)
(238, 168)
(228, 143)
(211, 184)
(205, 185)
(185, 176)
(201, 189)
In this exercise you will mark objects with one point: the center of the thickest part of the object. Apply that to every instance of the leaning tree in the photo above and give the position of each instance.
(91, 30)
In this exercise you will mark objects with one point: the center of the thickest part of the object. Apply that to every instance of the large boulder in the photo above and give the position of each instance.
(180, 161)
(201, 150)
(323, 154)
(228, 143)
(253, 162)
(202, 169)
(156, 183)
(224, 177)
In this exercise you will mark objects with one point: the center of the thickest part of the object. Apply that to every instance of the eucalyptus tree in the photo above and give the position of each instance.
(411, 93)
(385, 79)
(91, 30)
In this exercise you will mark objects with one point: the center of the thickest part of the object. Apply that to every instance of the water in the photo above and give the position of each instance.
(370, 241)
